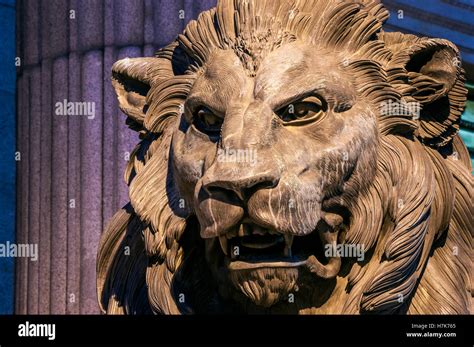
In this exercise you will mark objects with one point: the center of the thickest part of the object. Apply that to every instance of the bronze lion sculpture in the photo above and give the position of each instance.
(294, 158)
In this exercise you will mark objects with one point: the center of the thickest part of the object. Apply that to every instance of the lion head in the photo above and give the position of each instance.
(294, 158)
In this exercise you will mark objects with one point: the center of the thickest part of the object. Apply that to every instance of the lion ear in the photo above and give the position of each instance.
(429, 72)
(131, 80)
(435, 62)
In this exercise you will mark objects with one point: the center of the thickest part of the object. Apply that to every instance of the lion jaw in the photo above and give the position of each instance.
(264, 265)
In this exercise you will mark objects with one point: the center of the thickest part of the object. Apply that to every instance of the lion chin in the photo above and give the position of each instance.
(265, 266)
(265, 286)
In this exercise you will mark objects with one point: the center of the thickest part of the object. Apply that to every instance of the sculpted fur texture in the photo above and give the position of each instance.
(273, 131)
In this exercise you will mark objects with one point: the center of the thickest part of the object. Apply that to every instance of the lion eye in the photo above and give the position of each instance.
(206, 121)
(302, 112)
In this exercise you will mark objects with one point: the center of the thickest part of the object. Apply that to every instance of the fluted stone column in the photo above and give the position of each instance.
(70, 176)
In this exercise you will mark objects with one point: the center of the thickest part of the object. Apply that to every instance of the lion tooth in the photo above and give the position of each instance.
(241, 231)
(223, 242)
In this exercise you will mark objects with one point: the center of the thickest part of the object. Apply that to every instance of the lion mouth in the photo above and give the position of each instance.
(250, 247)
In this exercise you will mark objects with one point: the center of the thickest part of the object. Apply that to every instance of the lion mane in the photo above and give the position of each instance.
(415, 218)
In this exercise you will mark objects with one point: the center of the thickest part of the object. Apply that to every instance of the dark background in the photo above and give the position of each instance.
(65, 159)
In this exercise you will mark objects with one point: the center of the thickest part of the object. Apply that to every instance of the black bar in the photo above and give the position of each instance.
(224, 329)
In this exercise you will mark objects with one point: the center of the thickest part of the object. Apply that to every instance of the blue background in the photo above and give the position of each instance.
(7, 148)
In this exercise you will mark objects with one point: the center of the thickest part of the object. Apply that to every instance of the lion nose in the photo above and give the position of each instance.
(241, 185)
